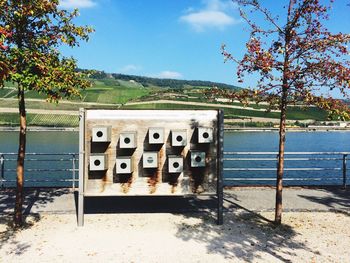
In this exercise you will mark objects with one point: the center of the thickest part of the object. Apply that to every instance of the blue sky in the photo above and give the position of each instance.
(171, 38)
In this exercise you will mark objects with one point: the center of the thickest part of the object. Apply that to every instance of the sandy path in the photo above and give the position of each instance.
(165, 237)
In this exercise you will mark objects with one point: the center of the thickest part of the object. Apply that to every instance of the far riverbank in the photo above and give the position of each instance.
(226, 128)
(40, 128)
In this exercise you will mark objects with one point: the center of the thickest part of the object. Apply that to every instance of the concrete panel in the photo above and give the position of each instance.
(153, 180)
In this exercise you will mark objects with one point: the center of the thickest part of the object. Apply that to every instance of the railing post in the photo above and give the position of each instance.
(2, 168)
(220, 164)
(344, 170)
(73, 173)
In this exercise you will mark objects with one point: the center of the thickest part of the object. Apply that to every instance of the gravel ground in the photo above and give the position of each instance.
(167, 237)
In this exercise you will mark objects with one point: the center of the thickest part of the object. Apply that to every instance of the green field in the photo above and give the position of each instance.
(49, 120)
(115, 93)
(54, 120)
(109, 91)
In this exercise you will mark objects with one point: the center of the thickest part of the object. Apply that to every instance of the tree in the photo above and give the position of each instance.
(296, 57)
(31, 31)
(4, 68)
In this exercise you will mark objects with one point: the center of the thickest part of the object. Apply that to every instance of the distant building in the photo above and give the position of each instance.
(223, 100)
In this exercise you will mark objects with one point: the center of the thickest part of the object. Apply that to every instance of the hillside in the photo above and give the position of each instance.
(112, 92)
(158, 82)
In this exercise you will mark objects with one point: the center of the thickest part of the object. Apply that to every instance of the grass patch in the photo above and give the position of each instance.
(5, 91)
(102, 91)
(128, 84)
(44, 105)
(90, 96)
(54, 120)
(12, 119)
(48, 120)
(35, 95)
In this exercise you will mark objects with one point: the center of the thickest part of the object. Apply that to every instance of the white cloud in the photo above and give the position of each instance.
(213, 15)
(130, 68)
(168, 75)
(205, 19)
(77, 3)
(220, 5)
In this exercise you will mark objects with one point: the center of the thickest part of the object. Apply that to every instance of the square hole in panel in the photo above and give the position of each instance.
(101, 134)
(150, 160)
(197, 159)
(178, 138)
(155, 135)
(205, 135)
(128, 140)
(123, 165)
(175, 164)
(98, 162)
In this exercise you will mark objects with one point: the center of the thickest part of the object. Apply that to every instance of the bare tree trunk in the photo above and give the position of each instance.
(282, 130)
(280, 167)
(18, 220)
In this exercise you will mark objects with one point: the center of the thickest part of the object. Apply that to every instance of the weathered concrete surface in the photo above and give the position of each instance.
(64, 200)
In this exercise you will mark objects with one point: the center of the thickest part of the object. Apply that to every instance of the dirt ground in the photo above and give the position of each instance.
(186, 237)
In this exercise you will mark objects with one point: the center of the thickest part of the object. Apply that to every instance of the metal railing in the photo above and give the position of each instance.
(336, 162)
(62, 164)
(239, 167)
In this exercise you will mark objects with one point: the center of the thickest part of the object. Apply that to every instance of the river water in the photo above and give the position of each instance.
(67, 142)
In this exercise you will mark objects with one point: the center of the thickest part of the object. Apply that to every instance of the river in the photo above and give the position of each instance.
(339, 141)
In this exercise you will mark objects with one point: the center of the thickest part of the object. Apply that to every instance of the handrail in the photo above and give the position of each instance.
(286, 153)
(12, 153)
(67, 159)
(69, 164)
(2, 170)
(243, 157)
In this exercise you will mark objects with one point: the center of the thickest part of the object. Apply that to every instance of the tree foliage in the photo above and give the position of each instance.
(297, 53)
(31, 31)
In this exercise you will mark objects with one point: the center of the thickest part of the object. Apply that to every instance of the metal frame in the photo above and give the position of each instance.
(81, 167)
(344, 170)
(220, 164)
(2, 168)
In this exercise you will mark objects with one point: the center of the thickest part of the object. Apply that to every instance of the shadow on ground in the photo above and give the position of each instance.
(335, 199)
(244, 235)
(32, 198)
(145, 204)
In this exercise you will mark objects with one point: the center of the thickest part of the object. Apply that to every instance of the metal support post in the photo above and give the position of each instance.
(344, 170)
(220, 156)
(2, 168)
(81, 167)
(73, 172)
